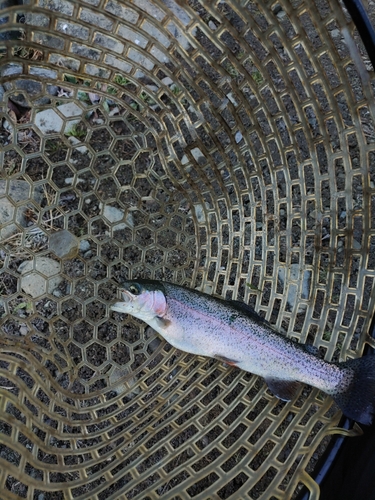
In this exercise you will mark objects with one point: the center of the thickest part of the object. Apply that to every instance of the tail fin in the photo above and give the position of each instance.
(357, 397)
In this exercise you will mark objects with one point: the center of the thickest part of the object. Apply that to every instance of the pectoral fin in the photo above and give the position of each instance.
(283, 389)
(228, 361)
(162, 322)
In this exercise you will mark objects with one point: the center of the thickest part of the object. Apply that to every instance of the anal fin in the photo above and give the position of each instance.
(226, 360)
(283, 389)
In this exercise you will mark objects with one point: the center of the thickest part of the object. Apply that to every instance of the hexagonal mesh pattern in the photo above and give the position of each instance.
(224, 146)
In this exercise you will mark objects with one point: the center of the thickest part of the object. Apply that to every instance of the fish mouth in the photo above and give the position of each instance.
(126, 296)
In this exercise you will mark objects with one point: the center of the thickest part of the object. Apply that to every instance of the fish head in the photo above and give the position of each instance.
(142, 299)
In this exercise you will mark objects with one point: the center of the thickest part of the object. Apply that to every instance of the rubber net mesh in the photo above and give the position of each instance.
(226, 146)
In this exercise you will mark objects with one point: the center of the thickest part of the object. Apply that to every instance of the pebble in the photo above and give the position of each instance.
(117, 217)
(84, 245)
(200, 213)
(167, 81)
(23, 329)
(17, 191)
(69, 180)
(295, 274)
(49, 120)
(7, 125)
(356, 245)
(153, 88)
(63, 244)
(74, 141)
(335, 33)
(36, 284)
(238, 137)
(232, 98)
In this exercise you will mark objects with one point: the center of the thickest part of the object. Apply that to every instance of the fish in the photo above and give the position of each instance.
(232, 332)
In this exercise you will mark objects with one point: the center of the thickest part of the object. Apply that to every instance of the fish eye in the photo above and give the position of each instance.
(134, 289)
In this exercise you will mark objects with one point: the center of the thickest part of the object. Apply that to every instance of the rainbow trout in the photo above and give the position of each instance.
(231, 332)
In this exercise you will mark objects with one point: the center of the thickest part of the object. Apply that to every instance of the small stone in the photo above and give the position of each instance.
(356, 245)
(73, 140)
(84, 245)
(70, 109)
(167, 81)
(12, 192)
(112, 214)
(48, 121)
(184, 160)
(153, 88)
(212, 25)
(117, 217)
(11, 69)
(154, 344)
(296, 274)
(114, 111)
(281, 14)
(69, 180)
(232, 98)
(23, 330)
(7, 126)
(64, 244)
(200, 213)
(238, 137)
(39, 276)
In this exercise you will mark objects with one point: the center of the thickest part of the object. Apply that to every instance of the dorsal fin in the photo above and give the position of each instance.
(245, 308)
